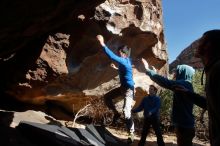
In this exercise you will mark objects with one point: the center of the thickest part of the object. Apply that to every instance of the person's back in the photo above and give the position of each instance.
(213, 100)
(209, 51)
(182, 112)
(182, 109)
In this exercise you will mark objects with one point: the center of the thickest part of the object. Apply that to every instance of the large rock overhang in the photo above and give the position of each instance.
(49, 52)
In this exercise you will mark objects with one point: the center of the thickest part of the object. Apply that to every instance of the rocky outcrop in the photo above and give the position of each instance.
(187, 56)
(49, 52)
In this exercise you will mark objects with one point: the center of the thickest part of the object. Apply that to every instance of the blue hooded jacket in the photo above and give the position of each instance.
(182, 110)
(124, 68)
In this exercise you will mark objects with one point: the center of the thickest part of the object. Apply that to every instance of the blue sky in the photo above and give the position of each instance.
(186, 21)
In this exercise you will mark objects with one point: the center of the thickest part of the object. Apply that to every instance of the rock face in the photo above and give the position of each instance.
(49, 52)
(187, 56)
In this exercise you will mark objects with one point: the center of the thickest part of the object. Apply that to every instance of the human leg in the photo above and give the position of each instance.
(158, 133)
(144, 132)
(128, 101)
(185, 136)
(108, 99)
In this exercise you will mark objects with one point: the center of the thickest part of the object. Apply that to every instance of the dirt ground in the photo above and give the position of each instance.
(169, 139)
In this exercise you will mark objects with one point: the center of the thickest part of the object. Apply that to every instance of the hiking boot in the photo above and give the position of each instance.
(130, 138)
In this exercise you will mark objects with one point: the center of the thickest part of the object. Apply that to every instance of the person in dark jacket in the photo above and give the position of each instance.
(192, 96)
(151, 106)
(182, 109)
(127, 85)
(209, 52)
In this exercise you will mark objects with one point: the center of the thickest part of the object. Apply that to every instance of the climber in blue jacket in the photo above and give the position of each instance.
(127, 85)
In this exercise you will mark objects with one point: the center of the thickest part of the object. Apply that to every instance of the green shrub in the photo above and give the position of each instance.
(165, 110)
(201, 117)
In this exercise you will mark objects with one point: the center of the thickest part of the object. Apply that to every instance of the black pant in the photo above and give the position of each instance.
(108, 98)
(154, 121)
(185, 136)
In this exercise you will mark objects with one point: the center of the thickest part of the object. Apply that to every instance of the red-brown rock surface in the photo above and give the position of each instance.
(187, 56)
(48, 49)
